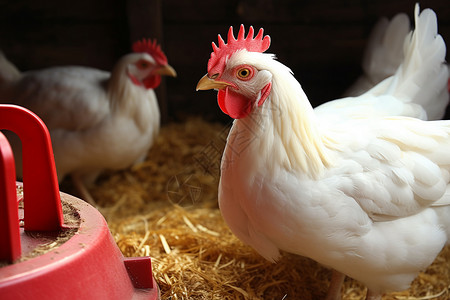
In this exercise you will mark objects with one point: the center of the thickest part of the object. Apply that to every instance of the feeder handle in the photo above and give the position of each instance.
(10, 248)
(42, 202)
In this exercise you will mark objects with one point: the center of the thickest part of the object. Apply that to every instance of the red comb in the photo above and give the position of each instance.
(152, 48)
(219, 54)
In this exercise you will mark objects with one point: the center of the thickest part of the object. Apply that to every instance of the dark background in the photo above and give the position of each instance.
(321, 41)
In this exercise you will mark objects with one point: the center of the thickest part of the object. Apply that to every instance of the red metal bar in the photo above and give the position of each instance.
(42, 202)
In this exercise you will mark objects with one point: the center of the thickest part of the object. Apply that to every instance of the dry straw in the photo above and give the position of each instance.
(166, 207)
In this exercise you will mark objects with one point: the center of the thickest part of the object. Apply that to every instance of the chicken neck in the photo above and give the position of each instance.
(286, 127)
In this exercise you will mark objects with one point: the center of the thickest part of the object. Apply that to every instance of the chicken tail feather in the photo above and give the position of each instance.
(383, 54)
(422, 78)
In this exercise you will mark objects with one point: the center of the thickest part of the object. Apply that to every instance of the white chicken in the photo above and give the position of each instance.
(358, 184)
(97, 120)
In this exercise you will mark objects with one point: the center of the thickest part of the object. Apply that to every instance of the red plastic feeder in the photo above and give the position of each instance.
(88, 265)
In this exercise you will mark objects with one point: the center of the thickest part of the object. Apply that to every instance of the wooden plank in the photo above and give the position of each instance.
(38, 34)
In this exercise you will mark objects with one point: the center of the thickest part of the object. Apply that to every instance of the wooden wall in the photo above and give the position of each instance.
(321, 41)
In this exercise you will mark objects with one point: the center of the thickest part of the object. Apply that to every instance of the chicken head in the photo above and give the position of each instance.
(148, 64)
(241, 85)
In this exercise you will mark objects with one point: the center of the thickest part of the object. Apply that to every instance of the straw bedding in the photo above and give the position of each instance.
(166, 208)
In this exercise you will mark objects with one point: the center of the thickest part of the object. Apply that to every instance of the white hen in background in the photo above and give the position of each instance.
(358, 184)
(97, 120)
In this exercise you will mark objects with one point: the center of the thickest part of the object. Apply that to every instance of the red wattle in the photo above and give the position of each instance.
(221, 101)
(233, 104)
(152, 81)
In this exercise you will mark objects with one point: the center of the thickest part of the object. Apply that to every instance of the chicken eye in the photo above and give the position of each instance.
(244, 73)
(142, 64)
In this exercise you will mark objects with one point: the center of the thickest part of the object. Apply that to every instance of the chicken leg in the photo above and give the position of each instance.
(334, 291)
(82, 190)
(372, 295)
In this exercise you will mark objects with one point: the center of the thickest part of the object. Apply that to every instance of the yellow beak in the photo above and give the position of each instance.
(166, 70)
(207, 83)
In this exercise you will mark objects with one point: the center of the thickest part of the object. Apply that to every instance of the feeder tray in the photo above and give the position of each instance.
(44, 253)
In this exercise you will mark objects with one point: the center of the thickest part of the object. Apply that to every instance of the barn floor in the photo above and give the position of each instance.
(166, 208)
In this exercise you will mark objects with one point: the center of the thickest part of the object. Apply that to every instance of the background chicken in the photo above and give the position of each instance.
(356, 184)
(97, 120)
